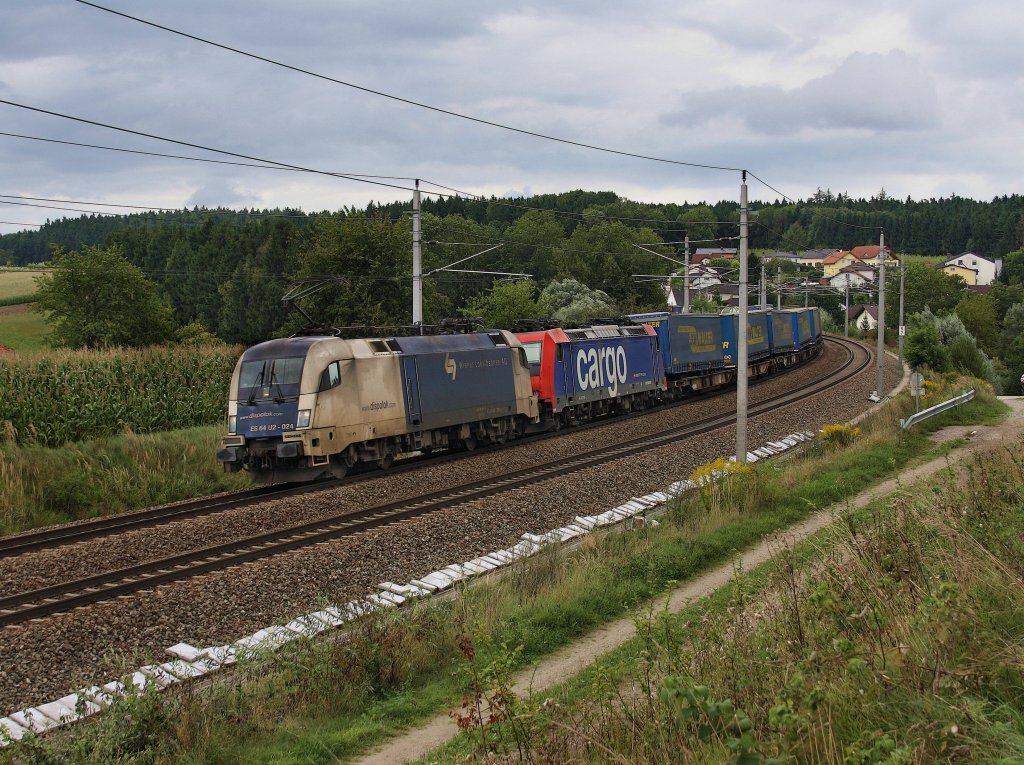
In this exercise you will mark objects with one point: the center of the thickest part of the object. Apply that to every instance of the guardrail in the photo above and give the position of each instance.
(931, 411)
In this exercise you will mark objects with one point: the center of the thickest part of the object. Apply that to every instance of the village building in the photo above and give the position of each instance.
(791, 257)
(985, 270)
(866, 255)
(814, 258)
(854, 277)
(702, 254)
(969, 275)
(863, 317)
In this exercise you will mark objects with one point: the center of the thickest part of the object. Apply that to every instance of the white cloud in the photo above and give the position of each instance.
(867, 91)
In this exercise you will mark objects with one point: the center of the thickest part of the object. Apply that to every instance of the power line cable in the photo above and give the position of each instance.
(225, 152)
(195, 159)
(399, 99)
(458, 193)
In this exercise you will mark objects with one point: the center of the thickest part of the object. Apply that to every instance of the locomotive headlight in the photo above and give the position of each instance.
(303, 419)
(232, 423)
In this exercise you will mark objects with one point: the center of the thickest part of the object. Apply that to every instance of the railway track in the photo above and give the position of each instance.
(43, 539)
(35, 604)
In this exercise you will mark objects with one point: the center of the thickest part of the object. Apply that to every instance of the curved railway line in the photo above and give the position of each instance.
(19, 608)
(57, 536)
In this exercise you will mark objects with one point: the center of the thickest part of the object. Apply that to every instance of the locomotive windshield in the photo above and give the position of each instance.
(270, 379)
(533, 356)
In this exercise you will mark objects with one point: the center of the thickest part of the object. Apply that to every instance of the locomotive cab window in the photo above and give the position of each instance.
(331, 376)
(275, 379)
(531, 352)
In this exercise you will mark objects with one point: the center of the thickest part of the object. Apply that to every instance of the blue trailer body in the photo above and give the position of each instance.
(783, 331)
(816, 324)
(804, 327)
(595, 368)
(453, 379)
(758, 335)
(689, 342)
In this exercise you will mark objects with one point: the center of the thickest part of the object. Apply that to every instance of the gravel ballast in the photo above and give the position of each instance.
(43, 660)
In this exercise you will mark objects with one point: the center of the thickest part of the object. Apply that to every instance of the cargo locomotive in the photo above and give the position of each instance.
(307, 407)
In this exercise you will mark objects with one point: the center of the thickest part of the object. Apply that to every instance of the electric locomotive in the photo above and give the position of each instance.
(307, 407)
(579, 374)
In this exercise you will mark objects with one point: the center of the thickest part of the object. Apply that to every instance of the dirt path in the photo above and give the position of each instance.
(573, 659)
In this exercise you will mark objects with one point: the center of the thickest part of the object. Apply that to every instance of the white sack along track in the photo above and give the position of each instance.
(207, 609)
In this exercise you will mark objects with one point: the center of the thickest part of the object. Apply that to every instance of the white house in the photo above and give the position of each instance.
(985, 268)
(853, 277)
(864, 317)
(702, 276)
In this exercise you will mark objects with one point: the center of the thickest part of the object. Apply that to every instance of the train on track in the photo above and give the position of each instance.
(307, 407)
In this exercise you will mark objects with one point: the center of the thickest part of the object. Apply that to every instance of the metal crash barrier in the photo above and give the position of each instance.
(931, 411)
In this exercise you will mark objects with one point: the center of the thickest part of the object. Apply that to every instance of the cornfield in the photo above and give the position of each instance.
(55, 398)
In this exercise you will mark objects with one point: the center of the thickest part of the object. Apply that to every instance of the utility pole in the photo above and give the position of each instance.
(741, 334)
(902, 329)
(417, 259)
(807, 292)
(764, 289)
(686, 273)
(880, 380)
(778, 291)
(846, 317)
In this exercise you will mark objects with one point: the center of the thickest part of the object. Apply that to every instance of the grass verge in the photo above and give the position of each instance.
(40, 486)
(891, 637)
(324, 701)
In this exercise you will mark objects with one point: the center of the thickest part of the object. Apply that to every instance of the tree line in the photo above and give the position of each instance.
(201, 273)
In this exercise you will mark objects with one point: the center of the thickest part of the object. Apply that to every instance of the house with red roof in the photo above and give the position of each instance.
(866, 255)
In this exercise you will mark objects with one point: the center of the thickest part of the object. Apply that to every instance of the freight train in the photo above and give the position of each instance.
(306, 407)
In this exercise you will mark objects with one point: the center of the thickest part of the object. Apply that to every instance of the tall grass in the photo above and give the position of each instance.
(899, 642)
(41, 486)
(17, 299)
(55, 398)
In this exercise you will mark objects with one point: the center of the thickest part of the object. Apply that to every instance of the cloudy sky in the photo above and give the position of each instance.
(922, 97)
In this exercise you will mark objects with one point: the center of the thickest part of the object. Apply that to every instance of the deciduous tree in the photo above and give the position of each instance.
(96, 298)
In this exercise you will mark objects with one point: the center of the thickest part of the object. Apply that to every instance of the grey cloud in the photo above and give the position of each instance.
(867, 91)
(221, 193)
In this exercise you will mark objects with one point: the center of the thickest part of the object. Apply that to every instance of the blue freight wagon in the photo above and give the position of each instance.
(795, 328)
(758, 335)
(815, 324)
(689, 342)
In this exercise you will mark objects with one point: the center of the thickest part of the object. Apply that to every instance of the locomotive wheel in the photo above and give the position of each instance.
(469, 444)
(386, 461)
